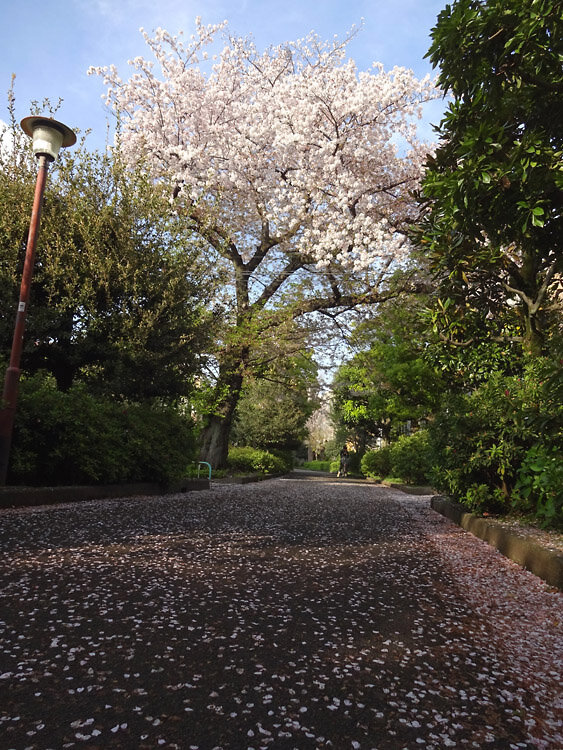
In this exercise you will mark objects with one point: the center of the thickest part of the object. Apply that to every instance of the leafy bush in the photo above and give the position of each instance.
(161, 442)
(539, 486)
(71, 437)
(376, 463)
(246, 459)
(500, 448)
(354, 462)
(410, 457)
(477, 445)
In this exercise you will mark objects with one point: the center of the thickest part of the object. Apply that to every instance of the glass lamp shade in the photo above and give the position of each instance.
(48, 135)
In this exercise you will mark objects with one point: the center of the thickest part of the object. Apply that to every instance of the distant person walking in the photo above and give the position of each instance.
(344, 457)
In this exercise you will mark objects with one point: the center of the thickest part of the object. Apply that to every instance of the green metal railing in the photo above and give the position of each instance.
(204, 463)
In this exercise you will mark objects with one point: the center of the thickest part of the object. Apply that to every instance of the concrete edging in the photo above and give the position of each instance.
(17, 497)
(248, 478)
(544, 563)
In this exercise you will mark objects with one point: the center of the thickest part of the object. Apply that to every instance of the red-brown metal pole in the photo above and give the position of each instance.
(10, 393)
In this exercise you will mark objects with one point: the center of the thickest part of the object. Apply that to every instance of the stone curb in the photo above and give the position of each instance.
(248, 479)
(410, 489)
(11, 497)
(543, 562)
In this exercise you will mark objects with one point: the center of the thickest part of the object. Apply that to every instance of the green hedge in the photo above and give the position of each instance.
(245, 459)
(72, 437)
(500, 447)
(408, 459)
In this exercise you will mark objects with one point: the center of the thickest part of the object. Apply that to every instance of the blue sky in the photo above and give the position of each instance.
(49, 44)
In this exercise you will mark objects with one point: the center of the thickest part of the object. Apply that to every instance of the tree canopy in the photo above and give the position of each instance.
(389, 381)
(273, 410)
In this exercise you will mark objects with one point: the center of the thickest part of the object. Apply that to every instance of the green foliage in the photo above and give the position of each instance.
(161, 440)
(354, 461)
(499, 448)
(273, 410)
(376, 463)
(246, 459)
(317, 465)
(539, 485)
(493, 191)
(462, 368)
(410, 457)
(491, 232)
(476, 442)
(73, 437)
(117, 298)
(386, 385)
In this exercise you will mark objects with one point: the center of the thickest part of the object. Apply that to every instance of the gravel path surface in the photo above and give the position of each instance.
(288, 614)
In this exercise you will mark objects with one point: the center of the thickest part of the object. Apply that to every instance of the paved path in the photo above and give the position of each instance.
(289, 614)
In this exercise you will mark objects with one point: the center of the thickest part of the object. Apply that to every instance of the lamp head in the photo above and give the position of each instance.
(48, 135)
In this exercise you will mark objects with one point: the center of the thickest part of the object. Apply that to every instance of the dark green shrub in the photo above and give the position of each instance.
(539, 485)
(500, 447)
(477, 445)
(376, 463)
(287, 457)
(354, 462)
(410, 457)
(161, 442)
(72, 437)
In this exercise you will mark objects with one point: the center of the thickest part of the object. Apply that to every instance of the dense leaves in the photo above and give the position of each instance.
(117, 292)
(494, 189)
(491, 451)
(492, 229)
(74, 437)
(390, 381)
(377, 463)
(116, 317)
(273, 410)
(248, 460)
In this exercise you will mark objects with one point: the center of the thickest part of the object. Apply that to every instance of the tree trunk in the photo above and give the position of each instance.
(532, 294)
(215, 442)
(215, 435)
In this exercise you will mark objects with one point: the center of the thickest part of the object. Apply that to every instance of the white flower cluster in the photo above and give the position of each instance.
(294, 139)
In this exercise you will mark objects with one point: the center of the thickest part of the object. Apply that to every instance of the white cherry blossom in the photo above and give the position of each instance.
(293, 145)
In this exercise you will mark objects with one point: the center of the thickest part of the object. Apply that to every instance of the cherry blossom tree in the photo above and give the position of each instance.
(293, 166)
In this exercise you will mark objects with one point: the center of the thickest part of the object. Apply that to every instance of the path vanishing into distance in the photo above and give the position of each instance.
(293, 613)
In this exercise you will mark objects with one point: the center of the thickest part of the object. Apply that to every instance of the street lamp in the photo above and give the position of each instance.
(49, 136)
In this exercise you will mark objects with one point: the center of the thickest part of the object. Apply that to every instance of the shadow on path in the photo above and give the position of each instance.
(290, 614)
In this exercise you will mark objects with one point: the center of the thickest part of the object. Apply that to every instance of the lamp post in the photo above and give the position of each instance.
(49, 136)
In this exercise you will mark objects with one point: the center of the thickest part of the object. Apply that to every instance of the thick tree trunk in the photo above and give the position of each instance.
(215, 436)
(215, 443)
